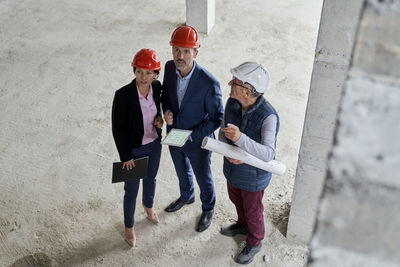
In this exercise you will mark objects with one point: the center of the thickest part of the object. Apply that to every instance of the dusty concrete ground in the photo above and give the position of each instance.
(61, 62)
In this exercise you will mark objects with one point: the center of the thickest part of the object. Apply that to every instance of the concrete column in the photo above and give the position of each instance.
(359, 213)
(339, 20)
(200, 14)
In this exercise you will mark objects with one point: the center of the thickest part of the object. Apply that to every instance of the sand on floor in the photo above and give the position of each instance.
(61, 62)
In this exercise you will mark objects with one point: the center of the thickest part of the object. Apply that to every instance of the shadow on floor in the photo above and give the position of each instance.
(37, 259)
(280, 217)
(109, 242)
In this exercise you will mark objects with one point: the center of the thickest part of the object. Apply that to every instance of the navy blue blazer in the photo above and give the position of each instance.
(201, 109)
(127, 118)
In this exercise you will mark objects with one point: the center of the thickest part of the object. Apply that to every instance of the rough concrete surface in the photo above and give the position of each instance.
(337, 31)
(61, 62)
(359, 216)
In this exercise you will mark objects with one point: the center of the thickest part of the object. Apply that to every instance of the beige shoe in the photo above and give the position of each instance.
(151, 215)
(130, 236)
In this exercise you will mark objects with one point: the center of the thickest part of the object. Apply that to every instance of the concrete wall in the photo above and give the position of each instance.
(359, 213)
(200, 14)
(339, 20)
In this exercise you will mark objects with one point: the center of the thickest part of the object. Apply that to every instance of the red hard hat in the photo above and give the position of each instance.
(185, 36)
(146, 59)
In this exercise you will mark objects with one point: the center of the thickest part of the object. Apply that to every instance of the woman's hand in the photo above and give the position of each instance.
(231, 132)
(130, 164)
(158, 121)
(234, 161)
(169, 117)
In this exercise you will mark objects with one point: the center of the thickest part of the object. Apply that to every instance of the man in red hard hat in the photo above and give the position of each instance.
(192, 100)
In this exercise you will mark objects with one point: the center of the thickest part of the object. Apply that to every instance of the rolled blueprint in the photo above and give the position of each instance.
(235, 152)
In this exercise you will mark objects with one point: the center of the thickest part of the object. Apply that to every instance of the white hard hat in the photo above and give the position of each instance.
(253, 73)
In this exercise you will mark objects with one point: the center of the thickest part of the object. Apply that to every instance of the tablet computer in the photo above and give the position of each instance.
(176, 137)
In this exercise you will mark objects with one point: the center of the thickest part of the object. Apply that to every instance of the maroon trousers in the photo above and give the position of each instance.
(249, 208)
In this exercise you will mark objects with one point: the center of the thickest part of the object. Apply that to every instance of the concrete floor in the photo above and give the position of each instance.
(61, 62)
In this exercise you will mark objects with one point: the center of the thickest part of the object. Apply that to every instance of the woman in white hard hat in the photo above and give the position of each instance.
(136, 126)
(251, 123)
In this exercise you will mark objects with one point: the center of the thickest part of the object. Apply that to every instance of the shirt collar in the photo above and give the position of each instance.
(142, 97)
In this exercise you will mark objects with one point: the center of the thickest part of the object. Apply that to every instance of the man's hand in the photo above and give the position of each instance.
(169, 117)
(234, 161)
(130, 164)
(231, 132)
(158, 122)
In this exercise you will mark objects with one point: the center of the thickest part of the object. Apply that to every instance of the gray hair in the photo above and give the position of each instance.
(253, 91)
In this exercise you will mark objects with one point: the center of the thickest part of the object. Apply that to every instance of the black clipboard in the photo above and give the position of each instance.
(138, 172)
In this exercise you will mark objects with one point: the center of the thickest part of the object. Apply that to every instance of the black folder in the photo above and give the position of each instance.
(138, 172)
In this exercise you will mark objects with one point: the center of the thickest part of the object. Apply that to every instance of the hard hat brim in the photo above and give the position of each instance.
(184, 45)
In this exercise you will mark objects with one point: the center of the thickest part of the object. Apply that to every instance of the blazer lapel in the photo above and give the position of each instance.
(134, 99)
(173, 89)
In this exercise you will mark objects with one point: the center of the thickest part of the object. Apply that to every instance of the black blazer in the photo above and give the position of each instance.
(127, 118)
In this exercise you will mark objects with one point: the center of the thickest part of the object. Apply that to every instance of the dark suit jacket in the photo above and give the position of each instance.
(201, 109)
(127, 118)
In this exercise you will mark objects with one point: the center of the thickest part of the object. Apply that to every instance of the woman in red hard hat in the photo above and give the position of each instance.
(136, 127)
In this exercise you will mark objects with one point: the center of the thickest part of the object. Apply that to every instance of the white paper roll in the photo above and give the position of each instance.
(235, 152)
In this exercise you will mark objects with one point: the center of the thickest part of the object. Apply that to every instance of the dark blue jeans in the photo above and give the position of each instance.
(153, 151)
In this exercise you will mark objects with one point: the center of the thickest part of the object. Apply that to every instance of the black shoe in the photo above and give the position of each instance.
(247, 254)
(234, 229)
(205, 221)
(178, 204)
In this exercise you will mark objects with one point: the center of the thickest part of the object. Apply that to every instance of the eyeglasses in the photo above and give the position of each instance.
(234, 83)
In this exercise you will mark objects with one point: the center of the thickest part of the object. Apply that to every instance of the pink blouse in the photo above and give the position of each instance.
(149, 111)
